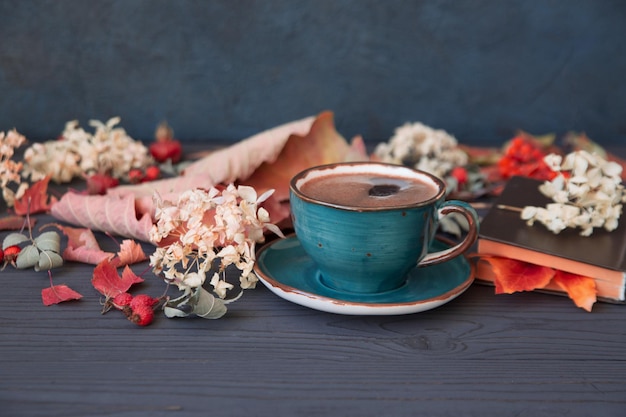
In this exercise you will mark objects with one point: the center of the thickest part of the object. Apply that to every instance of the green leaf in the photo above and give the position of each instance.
(205, 305)
(178, 307)
(13, 239)
(48, 260)
(28, 257)
(49, 241)
(172, 312)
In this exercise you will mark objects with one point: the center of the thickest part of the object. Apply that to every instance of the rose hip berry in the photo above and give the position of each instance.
(143, 300)
(11, 253)
(122, 300)
(142, 315)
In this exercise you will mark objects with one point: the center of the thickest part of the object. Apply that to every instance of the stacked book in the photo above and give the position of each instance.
(601, 256)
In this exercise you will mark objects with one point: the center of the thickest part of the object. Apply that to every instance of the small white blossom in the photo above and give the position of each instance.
(587, 193)
(10, 170)
(109, 150)
(207, 226)
(424, 148)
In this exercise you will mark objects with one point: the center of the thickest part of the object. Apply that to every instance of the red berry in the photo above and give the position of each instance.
(460, 174)
(10, 253)
(143, 300)
(122, 300)
(100, 183)
(142, 315)
(1, 255)
(152, 173)
(163, 150)
(135, 175)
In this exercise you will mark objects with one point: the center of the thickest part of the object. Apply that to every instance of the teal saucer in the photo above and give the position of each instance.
(284, 268)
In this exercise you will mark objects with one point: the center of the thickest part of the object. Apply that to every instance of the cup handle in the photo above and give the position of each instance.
(455, 206)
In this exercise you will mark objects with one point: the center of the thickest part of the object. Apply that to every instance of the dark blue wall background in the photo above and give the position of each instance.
(226, 69)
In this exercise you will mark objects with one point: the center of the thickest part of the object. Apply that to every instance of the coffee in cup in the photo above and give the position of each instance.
(367, 224)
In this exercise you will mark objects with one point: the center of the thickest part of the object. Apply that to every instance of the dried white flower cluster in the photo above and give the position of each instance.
(10, 169)
(204, 226)
(424, 148)
(76, 153)
(587, 194)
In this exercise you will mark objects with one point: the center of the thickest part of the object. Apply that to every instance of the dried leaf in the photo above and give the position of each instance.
(109, 283)
(35, 199)
(240, 160)
(276, 154)
(114, 214)
(15, 222)
(321, 145)
(130, 252)
(514, 276)
(581, 289)
(82, 246)
(57, 294)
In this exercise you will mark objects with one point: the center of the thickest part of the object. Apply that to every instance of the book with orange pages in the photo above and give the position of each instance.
(601, 256)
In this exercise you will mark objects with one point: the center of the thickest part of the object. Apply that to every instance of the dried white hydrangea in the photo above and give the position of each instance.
(109, 150)
(424, 148)
(587, 192)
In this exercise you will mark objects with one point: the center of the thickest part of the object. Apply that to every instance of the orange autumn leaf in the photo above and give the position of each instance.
(130, 252)
(321, 145)
(581, 289)
(514, 276)
(35, 199)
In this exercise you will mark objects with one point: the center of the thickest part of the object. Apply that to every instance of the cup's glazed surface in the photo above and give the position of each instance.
(371, 250)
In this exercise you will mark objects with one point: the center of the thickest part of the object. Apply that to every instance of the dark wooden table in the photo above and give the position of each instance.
(479, 355)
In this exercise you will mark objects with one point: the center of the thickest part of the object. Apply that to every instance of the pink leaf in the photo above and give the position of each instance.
(82, 246)
(57, 294)
(240, 160)
(114, 214)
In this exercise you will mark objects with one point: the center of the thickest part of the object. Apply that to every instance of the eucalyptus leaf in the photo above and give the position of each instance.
(48, 260)
(207, 306)
(28, 257)
(178, 307)
(50, 241)
(172, 312)
(13, 239)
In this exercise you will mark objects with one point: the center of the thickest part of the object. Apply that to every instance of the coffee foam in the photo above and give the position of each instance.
(352, 185)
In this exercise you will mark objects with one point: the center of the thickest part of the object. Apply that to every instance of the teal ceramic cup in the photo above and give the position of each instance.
(365, 236)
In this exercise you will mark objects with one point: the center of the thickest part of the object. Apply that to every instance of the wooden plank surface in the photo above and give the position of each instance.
(481, 354)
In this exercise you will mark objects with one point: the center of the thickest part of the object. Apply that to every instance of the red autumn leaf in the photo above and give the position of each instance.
(57, 294)
(130, 252)
(82, 246)
(14, 222)
(581, 289)
(35, 199)
(109, 283)
(514, 276)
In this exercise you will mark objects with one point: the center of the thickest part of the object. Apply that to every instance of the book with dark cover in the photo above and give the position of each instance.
(601, 256)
